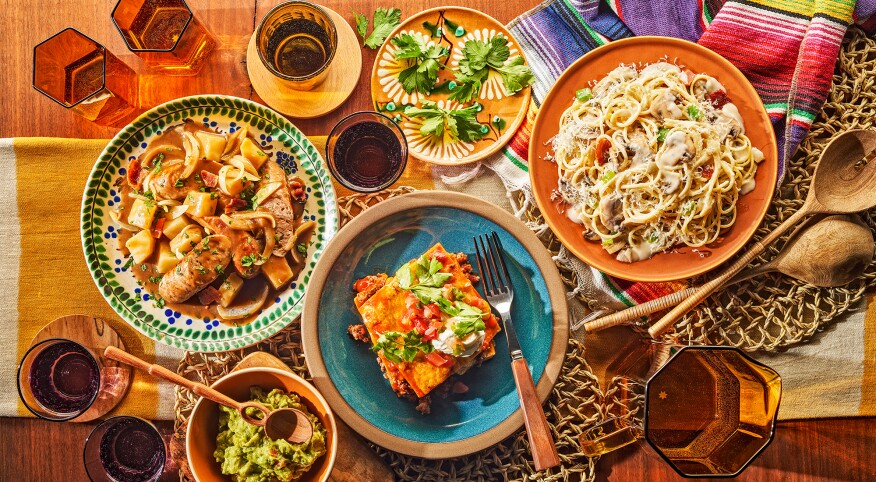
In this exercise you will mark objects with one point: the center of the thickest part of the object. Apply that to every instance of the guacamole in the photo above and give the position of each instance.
(248, 455)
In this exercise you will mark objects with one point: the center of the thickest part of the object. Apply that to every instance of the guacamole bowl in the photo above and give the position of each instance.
(204, 422)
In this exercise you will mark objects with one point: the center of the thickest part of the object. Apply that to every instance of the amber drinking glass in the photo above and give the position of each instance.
(709, 411)
(165, 34)
(296, 42)
(83, 76)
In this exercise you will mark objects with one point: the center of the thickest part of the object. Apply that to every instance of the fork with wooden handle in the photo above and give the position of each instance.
(500, 293)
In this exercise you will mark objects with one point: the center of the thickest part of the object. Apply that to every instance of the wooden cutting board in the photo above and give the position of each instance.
(355, 461)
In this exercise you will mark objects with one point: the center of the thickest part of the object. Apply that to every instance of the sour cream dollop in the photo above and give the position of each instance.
(449, 343)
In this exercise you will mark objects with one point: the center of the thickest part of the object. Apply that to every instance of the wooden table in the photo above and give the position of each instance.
(34, 450)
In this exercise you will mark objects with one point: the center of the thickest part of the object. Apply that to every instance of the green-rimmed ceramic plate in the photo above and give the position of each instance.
(294, 153)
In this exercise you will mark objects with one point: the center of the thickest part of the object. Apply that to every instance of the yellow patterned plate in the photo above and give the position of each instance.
(501, 113)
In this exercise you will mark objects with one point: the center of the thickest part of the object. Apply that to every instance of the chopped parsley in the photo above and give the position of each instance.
(201, 269)
(157, 164)
(397, 347)
(179, 183)
(159, 301)
(155, 279)
(219, 269)
(250, 260)
(144, 267)
(301, 247)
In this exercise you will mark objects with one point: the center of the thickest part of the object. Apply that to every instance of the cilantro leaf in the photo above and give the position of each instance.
(361, 24)
(397, 347)
(462, 123)
(424, 60)
(385, 21)
(465, 327)
(515, 75)
(479, 57)
(404, 277)
(426, 294)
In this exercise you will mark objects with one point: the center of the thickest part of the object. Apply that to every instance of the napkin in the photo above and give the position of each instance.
(787, 49)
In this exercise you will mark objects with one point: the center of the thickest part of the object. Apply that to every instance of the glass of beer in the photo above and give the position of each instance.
(83, 76)
(708, 411)
(296, 42)
(165, 34)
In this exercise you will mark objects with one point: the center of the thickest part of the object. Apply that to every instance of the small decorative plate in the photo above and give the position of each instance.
(502, 114)
(345, 371)
(99, 234)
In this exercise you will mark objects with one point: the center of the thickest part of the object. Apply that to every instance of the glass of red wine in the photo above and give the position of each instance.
(125, 449)
(59, 379)
(366, 151)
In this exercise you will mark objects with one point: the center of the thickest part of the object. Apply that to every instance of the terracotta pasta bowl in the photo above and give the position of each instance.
(681, 262)
(204, 421)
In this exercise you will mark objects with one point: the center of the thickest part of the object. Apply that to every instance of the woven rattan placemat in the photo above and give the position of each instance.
(575, 402)
(774, 311)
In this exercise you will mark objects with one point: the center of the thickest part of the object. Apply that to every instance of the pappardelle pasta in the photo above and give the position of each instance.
(652, 158)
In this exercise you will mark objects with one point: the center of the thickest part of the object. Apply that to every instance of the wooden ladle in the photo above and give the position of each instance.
(844, 182)
(831, 252)
(283, 424)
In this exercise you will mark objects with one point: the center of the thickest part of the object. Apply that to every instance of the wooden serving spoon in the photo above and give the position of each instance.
(284, 424)
(831, 252)
(844, 182)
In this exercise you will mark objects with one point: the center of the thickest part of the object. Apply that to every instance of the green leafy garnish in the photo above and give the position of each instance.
(661, 134)
(424, 62)
(583, 95)
(385, 20)
(693, 112)
(159, 302)
(155, 279)
(178, 183)
(467, 326)
(361, 24)
(462, 124)
(301, 248)
(428, 282)
(397, 347)
(468, 319)
(157, 164)
(478, 58)
(249, 260)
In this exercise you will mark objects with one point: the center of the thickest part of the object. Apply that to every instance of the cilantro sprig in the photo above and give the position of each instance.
(429, 279)
(468, 319)
(397, 347)
(479, 57)
(425, 61)
(385, 20)
(461, 124)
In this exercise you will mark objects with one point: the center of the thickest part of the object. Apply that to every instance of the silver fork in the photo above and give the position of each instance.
(500, 294)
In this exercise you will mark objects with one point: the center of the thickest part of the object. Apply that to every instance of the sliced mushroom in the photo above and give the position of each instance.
(664, 107)
(610, 212)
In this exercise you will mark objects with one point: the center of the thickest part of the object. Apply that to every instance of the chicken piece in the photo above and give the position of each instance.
(165, 183)
(279, 204)
(664, 107)
(200, 267)
(245, 247)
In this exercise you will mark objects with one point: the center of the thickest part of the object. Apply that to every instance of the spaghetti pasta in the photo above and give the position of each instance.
(653, 158)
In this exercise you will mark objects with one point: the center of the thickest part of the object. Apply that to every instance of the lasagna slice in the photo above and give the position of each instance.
(426, 323)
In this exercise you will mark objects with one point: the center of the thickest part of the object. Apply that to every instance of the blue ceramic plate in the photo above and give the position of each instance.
(380, 240)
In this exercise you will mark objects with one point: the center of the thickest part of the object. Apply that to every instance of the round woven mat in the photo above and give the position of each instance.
(575, 402)
(773, 311)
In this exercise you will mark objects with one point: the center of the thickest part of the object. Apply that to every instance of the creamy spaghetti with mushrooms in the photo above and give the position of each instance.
(653, 158)
(211, 223)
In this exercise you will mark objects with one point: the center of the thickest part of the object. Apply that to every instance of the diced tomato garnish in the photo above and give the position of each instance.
(296, 189)
(718, 98)
(601, 153)
(210, 179)
(234, 205)
(412, 301)
(432, 311)
(362, 284)
(707, 171)
(158, 229)
(209, 295)
(440, 256)
(134, 171)
(439, 359)
(430, 334)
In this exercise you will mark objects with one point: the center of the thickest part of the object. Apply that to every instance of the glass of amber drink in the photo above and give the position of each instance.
(83, 76)
(165, 34)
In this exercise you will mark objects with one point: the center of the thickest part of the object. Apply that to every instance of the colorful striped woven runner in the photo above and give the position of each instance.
(786, 48)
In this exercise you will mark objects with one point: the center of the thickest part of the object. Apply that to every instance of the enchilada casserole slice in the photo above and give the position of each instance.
(426, 323)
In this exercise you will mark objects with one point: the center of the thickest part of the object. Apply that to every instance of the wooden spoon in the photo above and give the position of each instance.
(286, 423)
(832, 252)
(844, 182)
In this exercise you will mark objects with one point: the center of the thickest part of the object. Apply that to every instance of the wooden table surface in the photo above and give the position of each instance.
(32, 450)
